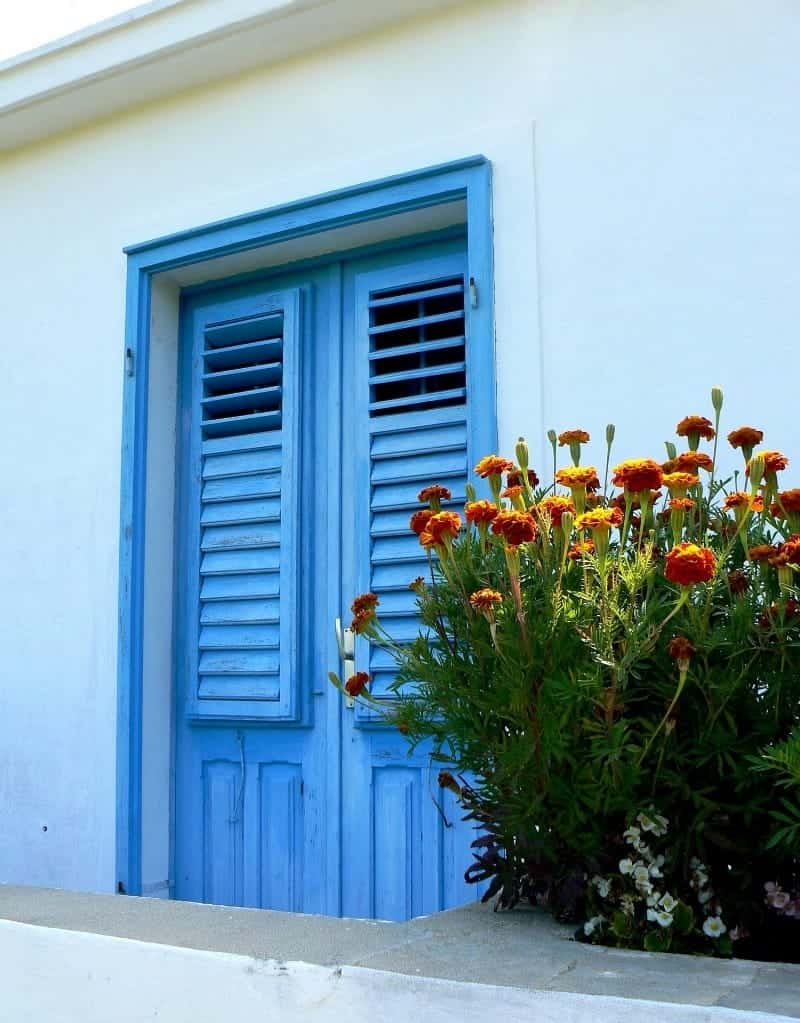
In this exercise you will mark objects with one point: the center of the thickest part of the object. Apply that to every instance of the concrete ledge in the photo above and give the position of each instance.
(68, 956)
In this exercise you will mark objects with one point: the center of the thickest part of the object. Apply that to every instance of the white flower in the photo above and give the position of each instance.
(626, 866)
(653, 898)
(644, 887)
(592, 925)
(695, 864)
(644, 850)
(647, 823)
(603, 886)
(659, 860)
(641, 873)
(654, 871)
(631, 835)
(660, 917)
(714, 927)
(660, 825)
(668, 903)
(705, 896)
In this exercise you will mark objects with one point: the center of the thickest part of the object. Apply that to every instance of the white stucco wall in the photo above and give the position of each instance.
(647, 167)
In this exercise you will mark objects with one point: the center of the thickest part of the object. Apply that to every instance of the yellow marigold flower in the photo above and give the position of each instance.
(485, 600)
(600, 519)
(745, 437)
(679, 482)
(638, 474)
(573, 437)
(578, 476)
(690, 460)
(695, 426)
(493, 465)
(480, 511)
(554, 507)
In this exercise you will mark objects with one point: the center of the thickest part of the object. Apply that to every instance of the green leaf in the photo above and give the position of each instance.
(683, 918)
(657, 941)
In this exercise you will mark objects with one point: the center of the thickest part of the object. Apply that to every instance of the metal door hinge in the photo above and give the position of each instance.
(473, 293)
(346, 640)
(129, 362)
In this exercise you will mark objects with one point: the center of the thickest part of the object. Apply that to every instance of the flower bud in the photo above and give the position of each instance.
(469, 490)
(567, 522)
(716, 399)
(552, 437)
(672, 451)
(522, 455)
(610, 432)
(756, 470)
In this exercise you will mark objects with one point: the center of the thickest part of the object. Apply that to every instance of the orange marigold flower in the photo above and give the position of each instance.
(441, 526)
(763, 552)
(689, 460)
(417, 585)
(512, 492)
(681, 649)
(638, 474)
(573, 437)
(362, 620)
(680, 481)
(493, 465)
(514, 478)
(419, 520)
(554, 507)
(745, 437)
(434, 493)
(364, 602)
(485, 600)
(774, 461)
(738, 582)
(515, 526)
(600, 519)
(695, 426)
(791, 549)
(480, 511)
(681, 504)
(737, 499)
(447, 781)
(791, 609)
(578, 550)
(577, 476)
(357, 683)
(786, 501)
(687, 564)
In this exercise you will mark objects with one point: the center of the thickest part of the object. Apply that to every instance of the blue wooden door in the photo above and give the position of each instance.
(315, 404)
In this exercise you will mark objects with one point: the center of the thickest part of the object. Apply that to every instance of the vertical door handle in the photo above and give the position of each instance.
(346, 640)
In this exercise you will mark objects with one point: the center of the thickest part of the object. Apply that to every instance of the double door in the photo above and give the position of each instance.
(314, 406)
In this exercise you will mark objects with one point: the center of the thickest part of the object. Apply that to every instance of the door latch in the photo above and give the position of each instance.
(346, 641)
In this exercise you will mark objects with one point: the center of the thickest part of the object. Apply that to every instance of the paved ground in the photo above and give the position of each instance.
(523, 949)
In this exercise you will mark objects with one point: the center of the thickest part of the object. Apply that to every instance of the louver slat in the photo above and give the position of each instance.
(247, 418)
(418, 435)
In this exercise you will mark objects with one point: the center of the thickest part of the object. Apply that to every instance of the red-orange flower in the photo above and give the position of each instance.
(362, 621)
(480, 511)
(763, 552)
(578, 476)
(786, 501)
(419, 520)
(638, 474)
(573, 437)
(737, 499)
(515, 526)
(602, 519)
(434, 493)
(681, 504)
(417, 585)
(687, 461)
(514, 478)
(493, 465)
(792, 549)
(774, 462)
(356, 684)
(441, 527)
(486, 600)
(738, 582)
(578, 550)
(678, 483)
(687, 564)
(745, 437)
(697, 426)
(512, 492)
(364, 602)
(682, 650)
(554, 507)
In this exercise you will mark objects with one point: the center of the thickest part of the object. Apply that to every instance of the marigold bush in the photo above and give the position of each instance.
(612, 681)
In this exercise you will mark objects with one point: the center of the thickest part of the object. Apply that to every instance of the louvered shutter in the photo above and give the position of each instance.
(245, 425)
(413, 339)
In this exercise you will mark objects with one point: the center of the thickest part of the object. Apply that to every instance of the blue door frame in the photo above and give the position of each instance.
(467, 180)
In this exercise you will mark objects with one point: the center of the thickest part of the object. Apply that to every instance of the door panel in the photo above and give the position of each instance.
(315, 405)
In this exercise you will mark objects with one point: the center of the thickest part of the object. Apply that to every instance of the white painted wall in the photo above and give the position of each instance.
(655, 256)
